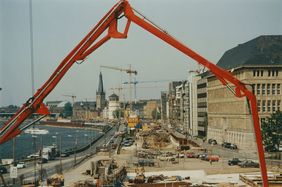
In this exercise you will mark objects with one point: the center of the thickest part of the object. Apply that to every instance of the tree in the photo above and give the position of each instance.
(156, 114)
(272, 131)
(67, 112)
(118, 113)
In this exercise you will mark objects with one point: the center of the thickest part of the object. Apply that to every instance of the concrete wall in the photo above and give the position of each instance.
(228, 116)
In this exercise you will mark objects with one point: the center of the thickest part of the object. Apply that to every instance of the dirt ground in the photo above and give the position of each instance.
(128, 157)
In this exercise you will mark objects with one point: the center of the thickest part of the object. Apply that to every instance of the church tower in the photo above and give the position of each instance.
(100, 95)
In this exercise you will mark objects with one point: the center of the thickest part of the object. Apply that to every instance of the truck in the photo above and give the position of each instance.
(49, 152)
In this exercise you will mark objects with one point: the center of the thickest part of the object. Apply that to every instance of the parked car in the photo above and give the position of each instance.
(145, 155)
(229, 145)
(20, 165)
(233, 146)
(212, 158)
(203, 156)
(33, 156)
(212, 141)
(128, 139)
(144, 162)
(127, 144)
(183, 147)
(3, 170)
(271, 149)
(42, 161)
(234, 161)
(65, 154)
(191, 155)
(249, 164)
(166, 158)
(180, 155)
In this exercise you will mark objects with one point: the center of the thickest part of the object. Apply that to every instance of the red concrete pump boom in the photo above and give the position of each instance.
(89, 44)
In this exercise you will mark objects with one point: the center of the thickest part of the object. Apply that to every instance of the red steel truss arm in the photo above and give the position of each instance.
(86, 47)
(223, 75)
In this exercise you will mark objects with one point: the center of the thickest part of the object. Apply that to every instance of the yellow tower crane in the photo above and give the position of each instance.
(71, 96)
(129, 71)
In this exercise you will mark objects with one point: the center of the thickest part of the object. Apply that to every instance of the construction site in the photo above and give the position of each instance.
(219, 125)
(156, 158)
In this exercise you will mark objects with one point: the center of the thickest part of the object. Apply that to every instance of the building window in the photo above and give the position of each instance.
(261, 73)
(258, 89)
(257, 73)
(276, 73)
(258, 105)
(269, 73)
(278, 89)
(273, 89)
(268, 105)
(278, 105)
(253, 88)
(254, 73)
(273, 106)
(268, 89)
(263, 89)
(263, 106)
(273, 73)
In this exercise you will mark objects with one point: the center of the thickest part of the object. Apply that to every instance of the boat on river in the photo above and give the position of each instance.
(36, 131)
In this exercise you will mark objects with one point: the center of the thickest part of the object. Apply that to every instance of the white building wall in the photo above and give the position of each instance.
(113, 106)
(167, 110)
(194, 105)
(105, 113)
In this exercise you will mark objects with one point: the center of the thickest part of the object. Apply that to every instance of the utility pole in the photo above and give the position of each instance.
(14, 149)
(34, 160)
(41, 166)
(75, 148)
(14, 156)
(1, 176)
(61, 163)
(3, 180)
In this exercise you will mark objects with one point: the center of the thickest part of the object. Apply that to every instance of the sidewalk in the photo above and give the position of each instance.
(76, 174)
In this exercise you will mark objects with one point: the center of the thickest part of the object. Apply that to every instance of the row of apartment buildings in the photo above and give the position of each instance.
(203, 107)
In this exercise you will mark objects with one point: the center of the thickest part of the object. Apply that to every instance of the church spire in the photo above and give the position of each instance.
(100, 87)
(100, 95)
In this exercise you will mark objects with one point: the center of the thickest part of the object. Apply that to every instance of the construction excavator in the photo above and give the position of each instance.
(109, 23)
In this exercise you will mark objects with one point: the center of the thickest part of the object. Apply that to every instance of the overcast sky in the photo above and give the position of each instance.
(208, 27)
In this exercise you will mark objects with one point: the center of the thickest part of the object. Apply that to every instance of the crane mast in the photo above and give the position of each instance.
(129, 71)
(88, 44)
(73, 97)
(134, 83)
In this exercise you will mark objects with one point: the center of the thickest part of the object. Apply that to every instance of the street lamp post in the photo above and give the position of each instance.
(86, 140)
(70, 136)
(34, 161)
(103, 133)
(61, 163)
(75, 147)
(60, 150)
(91, 138)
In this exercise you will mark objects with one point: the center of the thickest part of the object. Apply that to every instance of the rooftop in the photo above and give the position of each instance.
(263, 50)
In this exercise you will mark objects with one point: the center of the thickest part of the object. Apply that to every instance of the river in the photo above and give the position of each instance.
(27, 144)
